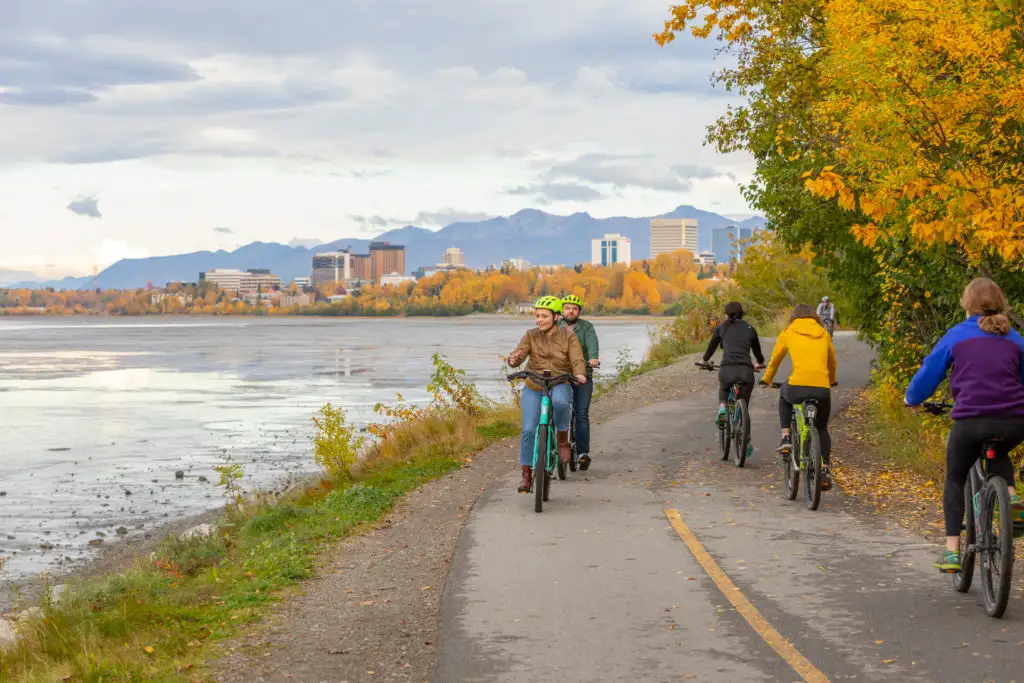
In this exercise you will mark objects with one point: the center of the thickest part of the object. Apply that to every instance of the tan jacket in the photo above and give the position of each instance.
(559, 352)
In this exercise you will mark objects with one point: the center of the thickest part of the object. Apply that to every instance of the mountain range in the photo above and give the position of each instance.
(540, 238)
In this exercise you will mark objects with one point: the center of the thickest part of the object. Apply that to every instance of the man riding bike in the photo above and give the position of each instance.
(555, 349)
(572, 307)
(738, 340)
(987, 382)
(827, 313)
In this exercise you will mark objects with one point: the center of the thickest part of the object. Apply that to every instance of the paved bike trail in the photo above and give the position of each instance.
(601, 587)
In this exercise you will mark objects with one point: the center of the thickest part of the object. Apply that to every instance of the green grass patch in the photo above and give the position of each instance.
(158, 620)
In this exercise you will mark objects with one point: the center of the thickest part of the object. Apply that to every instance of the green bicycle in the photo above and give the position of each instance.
(734, 433)
(805, 454)
(545, 443)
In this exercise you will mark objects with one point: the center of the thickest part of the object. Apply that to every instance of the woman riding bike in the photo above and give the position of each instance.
(814, 372)
(555, 349)
(738, 340)
(987, 382)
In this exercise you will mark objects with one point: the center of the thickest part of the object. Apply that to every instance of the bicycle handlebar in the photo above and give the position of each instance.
(546, 379)
(778, 385)
(710, 366)
(937, 407)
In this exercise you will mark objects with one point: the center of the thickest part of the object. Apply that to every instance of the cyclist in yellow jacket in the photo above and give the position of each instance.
(810, 349)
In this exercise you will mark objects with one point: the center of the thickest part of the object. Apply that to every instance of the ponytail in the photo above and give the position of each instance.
(994, 322)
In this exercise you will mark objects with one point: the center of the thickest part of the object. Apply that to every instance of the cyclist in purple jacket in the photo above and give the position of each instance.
(987, 382)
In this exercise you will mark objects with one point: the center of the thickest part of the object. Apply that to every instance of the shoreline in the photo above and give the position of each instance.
(188, 316)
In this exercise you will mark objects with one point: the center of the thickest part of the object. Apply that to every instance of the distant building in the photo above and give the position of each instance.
(242, 281)
(289, 300)
(515, 264)
(672, 234)
(723, 243)
(303, 282)
(393, 279)
(385, 259)
(705, 258)
(746, 234)
(333, 266)
(453, 257)
(361, 268)
(610, 249)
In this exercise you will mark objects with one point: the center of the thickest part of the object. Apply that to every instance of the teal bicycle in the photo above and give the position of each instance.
(805, 454)
(734, 432)
(545, 443)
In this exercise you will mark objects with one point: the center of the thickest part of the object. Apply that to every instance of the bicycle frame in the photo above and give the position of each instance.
(804, 416)
(546, 410)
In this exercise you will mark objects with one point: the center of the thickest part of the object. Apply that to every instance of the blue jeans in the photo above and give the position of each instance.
(582, 393)
(531, 417)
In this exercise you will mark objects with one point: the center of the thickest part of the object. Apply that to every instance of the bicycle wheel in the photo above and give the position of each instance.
(962, 579)
(811, 452)
(996, 546)
(549, 473)
(741, 433)
(791, 465)
(539, 465)
(574, 458)
(724, 438)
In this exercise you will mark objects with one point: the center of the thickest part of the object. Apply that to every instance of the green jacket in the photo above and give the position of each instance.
(588, 340)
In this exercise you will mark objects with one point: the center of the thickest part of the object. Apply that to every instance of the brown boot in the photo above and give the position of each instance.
(564, 449)
(527, 483)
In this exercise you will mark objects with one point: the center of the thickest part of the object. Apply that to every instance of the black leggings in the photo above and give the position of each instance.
(791, 395)
(731, 374)
(963, 448)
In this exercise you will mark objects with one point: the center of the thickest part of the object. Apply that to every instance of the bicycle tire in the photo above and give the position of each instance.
(574, 456)
(811, 452)
(724, 437)
(790, 465)
(562, 469)
(742, 436)
(962, 579)
(539, 468)
(996, 591)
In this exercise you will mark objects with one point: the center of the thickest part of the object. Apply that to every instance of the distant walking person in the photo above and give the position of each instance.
(572, 307)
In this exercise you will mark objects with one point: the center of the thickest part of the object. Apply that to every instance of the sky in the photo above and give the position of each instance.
(134, 128)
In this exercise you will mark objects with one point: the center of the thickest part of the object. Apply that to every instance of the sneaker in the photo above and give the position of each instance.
(722, 416)
(750, 451)
(584, 462)
(1016, 503)
(785, 445)
(949, 562)
(826, 480)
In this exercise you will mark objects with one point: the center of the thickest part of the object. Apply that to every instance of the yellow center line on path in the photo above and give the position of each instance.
(800, 664)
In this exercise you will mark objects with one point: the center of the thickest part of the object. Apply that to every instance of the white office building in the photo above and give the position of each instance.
(610, 249)
(672, 234)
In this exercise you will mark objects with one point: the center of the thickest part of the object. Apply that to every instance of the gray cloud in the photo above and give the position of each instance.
(307, 242)
(367, 222)
(546, 193)
(86, 206)
(224, 230)
(631, 171)
(45, 97)
(448, 215)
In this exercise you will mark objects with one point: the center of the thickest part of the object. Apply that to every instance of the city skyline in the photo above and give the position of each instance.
(148, 130)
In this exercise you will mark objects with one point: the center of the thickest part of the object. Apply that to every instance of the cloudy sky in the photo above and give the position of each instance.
(136, 127)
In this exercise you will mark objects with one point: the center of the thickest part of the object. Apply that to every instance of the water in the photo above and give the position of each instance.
(100, 413)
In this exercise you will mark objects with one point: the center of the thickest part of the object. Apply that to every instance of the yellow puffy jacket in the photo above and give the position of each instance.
(811, 350)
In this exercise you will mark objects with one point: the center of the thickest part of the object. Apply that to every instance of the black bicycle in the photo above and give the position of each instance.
(805, 453)
(989, 528)
(734, 432)
(574, 457)
(545, 444)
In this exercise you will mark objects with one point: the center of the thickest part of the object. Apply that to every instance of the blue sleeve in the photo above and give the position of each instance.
(931, 373)
(1015, 336)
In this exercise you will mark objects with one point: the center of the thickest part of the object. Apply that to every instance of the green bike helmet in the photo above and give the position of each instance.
(572, 299)
(552, 303)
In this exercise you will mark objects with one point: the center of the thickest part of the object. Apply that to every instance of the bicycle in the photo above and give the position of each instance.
(735, 431)
(574, 458)
(805, 453)
(986, 495)
(546, 435)
(830, 326)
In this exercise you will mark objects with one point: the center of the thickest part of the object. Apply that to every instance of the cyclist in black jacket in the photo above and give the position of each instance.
(738, 340)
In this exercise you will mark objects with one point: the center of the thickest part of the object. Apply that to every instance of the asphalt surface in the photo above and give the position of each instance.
(601, 587)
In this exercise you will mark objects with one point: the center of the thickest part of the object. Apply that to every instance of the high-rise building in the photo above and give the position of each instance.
(672, 234)
(610, 249)
(453, 256)
(723, 244)
(334, 266)
(515, 264)
(386, 259)
(746, 234)
(361, 267)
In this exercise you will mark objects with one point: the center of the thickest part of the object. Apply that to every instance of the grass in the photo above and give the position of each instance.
(159, 620)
